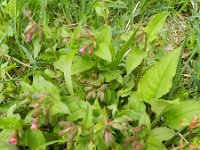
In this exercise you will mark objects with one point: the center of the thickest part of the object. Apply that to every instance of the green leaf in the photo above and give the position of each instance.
(133, 59)
(43, 86)
(64, 64)
(7, 146)
(136, 105)
(81, 64)
(60, 107)
(37, 48)
(155, 25)
(161, 106)
(88, 118)
(162, 133)
(11, 8)
(10, 123)
(144, 119)
(34, 139)
(100, 141)
(154, 144)
(181, 115)
(157, 81)
(103, 52)
(83, 143)
(104, 35)
(110, 75)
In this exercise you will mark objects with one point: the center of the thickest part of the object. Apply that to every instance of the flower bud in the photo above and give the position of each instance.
(82, 51)
(108, 137)
(79, 36)
(13, 138)
(90, 51)
(28, 37)
(34, 125)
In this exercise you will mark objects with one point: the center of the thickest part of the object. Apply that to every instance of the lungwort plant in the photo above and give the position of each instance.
(85, 88)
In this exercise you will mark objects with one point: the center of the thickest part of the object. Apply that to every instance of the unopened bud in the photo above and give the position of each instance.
(82, 51)
(34, 125)
(28, 14)
(28, 37)
(90, 51)
(13, 138)
(108, 137)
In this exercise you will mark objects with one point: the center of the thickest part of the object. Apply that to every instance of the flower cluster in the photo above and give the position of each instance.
(89, 45)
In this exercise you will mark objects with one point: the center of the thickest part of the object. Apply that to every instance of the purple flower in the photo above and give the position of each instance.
(82, 51)
(28, 37)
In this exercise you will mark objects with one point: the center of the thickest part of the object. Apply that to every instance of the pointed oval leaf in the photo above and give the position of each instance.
(64, 64)
(133, 59)
(181, 115)
(155, 25)
(104, 35)
(35, 139)
(81, 64)
(154, 144)
(103, 52)
(162, 133)
(157, 81)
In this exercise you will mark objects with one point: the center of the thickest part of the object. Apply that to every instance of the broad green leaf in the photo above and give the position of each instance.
(60, 107)
(104, 35)
(144, 119)
(157, 81)
(100, 11)
(10, 123)
(100, 141)
(83, 143)
(162, 133)
(153, 143)
(103, 52)
(88, 118)
(11, 8)
(133, 59)
(37, 47)
(155, 25)
(42, 86)
(181, 115)
(35, 139)
(135, 104)
(160, 106)
(77, 108)
(110, 75)
(64, 64)
(81, 64)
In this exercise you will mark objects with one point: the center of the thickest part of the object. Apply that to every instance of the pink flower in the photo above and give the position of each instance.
(79, 36)
(82, 51)
(28, 37)
(13, 140)
(34, 125)
(90, 51)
